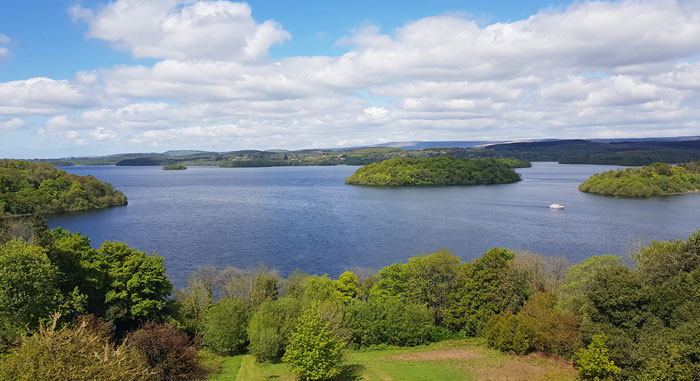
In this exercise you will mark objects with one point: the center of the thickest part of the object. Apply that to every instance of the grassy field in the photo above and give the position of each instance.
(448, 360)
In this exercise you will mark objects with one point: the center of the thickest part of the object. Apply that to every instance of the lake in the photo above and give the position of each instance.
(307, 218)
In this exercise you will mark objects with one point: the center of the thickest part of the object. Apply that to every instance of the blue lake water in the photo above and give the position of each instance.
(307, 218)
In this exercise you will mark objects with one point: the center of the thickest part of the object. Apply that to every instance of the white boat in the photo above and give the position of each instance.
(556, 206)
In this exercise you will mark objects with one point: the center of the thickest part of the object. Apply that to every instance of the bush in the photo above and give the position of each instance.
(74, 352)
(507, 333)
(313, 353)
(553, 332)
(390, 321)
(270, 328)
(593, 362)
(225, 327)
(169, 352)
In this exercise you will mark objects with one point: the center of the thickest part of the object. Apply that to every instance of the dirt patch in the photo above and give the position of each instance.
(444, 354)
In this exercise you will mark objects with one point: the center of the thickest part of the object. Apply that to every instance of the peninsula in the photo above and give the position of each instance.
(444, 170)
(652, 180)
(30, 187)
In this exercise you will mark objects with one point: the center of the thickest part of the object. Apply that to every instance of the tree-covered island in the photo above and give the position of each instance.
(31, 187)
(174, 167)
(653, 180)
(444, 170)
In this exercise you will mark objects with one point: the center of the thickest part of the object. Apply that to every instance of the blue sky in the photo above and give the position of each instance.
(94, 77)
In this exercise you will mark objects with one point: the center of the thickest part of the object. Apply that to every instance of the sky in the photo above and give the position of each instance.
(82, 78)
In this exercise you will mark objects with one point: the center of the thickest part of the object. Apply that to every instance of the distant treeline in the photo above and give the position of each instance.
(564, 151)
(28, 188)
(652, 180)
(443, 170)
(615, 321)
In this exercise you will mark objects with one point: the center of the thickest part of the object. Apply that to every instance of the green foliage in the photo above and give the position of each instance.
(271, 326)
(430, 280)
(27, 188)
(660, 261)
(136, 286)
(552, 331)
(313, 353)
(28, 284)
(593, 362)
(507, 333)
(653, 180)
(349, 286)
(492, 285)
(171, 354)
(579, 278)
(388, 321)
(436, 171)
(74, 352)
(225, 325)
(174, 167)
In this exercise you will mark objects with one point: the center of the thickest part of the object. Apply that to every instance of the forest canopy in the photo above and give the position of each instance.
(437, 171)
(27, 188)
(652, 180)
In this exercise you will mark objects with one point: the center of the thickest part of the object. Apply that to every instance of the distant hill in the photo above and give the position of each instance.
(630, 152)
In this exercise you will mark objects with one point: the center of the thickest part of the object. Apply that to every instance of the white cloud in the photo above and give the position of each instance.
(178, 29)
(596, 69)
(11, 124)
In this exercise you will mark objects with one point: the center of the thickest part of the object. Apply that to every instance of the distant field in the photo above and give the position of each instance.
(447, 360)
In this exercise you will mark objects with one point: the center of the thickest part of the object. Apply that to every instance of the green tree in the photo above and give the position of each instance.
(136, 284)
(349, 286)
(578, 279)
(271, 326)
(593, 362)
(491, 285)
(28, 283)
(74, 352)
(507, 333)
(313, 353)
(225, 326)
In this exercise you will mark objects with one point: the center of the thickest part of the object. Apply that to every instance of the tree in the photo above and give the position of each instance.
(552, 331)
(491, 286)
(271, 326)
(28, 283)
(74, 352)
(578, 279)
(349, 286)
(225, 326)
(170, 353)
(136, 284)
(313, 353)
(593, 362)
(507, 333)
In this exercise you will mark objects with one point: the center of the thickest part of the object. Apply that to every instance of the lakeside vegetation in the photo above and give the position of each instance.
(444, 170)
(636, 322)
(28, 187)
(632, 153)
(653, 180)
(174, 167)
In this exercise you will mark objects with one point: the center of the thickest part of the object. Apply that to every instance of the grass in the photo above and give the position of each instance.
(448, 360)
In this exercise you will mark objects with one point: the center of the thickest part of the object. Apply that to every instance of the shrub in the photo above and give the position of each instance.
(225, 327)
(74, 352)
(390, 321)
(270, 328)
(313, 353)
(553, 331)
(169, 352)
(507, 333)
(593, 362)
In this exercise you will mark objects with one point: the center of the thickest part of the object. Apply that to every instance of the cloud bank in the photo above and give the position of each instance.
(594, 69)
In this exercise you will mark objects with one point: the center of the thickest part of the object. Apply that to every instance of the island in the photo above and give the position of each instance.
(444, 170)
(39, 188)
(652, 180)
(174, 167)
